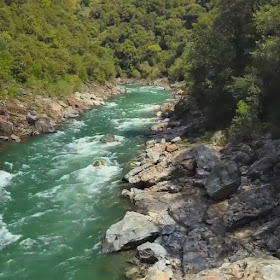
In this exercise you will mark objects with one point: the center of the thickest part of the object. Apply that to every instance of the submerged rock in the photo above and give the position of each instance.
(108, 138)
(133, 230)
(99, 163)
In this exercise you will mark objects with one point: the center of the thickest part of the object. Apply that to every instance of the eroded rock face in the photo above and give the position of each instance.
(247, 269)
(223, 180)
(249, 205)
(133, 230)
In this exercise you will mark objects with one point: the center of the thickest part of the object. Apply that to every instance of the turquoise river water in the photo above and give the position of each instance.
(55, 206)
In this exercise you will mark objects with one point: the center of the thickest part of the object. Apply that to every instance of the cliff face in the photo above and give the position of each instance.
(40, 114)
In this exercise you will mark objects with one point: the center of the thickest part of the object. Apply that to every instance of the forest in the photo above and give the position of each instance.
(227, 51)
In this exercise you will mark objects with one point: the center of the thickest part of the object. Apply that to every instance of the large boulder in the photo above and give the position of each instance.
(249, 205)
(267, 268)
(263, 166)
(133, 230)
(151, 252)
(206, 157)
(44, 126)
(223, 180)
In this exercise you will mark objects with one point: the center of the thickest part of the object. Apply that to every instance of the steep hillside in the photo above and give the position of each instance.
(53, 46)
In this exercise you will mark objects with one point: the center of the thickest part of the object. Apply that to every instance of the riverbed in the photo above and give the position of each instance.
(55, 206)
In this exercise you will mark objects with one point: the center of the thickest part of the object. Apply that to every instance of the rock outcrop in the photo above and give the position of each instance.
(223, 180)
(130, 232)
(213, 206)
(44, 114)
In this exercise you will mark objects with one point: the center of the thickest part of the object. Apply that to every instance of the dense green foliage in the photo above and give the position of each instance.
(232, 62)
(227, 51)
(54, 45)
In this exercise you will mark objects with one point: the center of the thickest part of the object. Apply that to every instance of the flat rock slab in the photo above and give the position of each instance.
(133, 230)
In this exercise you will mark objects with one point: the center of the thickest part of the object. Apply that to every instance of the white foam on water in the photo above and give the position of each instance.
(6, 237)
(150, 89)
(90, 145)
(97, 246)
(27, 243)
(111, 104)
(9, 164)
(76, 125)
(147, 108)
(5, 178)
(93, 175)
(130, 123)
(25, 166)
(50, 193)
(85, 145)
(58, 133)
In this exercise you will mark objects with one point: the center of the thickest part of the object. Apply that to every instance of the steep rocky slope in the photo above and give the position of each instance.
(203, 206)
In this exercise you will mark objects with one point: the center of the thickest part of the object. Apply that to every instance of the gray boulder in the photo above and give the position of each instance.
(133, 230)
(261, 167)
(249, 205)
(151, 252)
(206, 157)
(45, 126)
(223, 181)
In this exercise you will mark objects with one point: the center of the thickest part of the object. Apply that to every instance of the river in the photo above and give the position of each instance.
(55, 206)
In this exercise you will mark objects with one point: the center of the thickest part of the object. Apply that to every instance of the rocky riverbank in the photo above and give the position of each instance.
(202, 211)
(40, 114)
